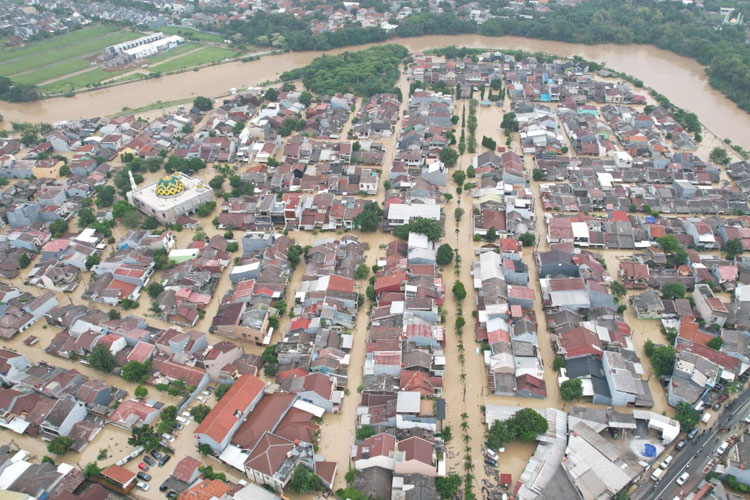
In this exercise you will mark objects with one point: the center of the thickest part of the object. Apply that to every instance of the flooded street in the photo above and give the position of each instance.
(681, 79)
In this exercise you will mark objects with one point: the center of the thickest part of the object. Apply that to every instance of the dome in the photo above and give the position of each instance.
(170, 185)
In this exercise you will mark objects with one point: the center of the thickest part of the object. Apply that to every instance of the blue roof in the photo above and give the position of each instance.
(545, 98)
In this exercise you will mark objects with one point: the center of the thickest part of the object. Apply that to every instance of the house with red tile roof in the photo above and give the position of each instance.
(579, 342)
(375, 451)
(186, 470)
(122, 478)
(208, 489)
(274, 459)
(225, 418)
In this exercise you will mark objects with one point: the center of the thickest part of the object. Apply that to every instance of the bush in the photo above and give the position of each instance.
(362, 272)
(365, 432)
(558, 364)
(60, 445)
(221, 390)
(527, 239)
(715, 343)
(538, 174)
(199, 412)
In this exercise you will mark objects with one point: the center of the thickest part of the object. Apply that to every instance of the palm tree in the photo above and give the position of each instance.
(464, 416)
(464, 425)
(467, 438)
(462, 377)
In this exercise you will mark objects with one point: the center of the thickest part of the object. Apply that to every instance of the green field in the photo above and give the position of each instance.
(186, 47)
(81, 80)
(56, 41)
(52, 71)
(52, 55)
(191, 34)
(203, 56)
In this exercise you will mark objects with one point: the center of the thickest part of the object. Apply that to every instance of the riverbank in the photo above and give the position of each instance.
(681, 79)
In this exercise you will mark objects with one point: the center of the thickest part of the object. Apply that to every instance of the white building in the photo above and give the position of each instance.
(170, 197)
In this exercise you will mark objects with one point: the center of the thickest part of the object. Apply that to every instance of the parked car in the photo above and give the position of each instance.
(144, 476)
(692, 433)
(722, 448)
(716, 406)
(724, 397)
(164, 459)
(155, 454)
(164, 486)
(150, 461)
(178, 426)
(143, 466)
(683, 477)
(142, 486)
(681, 444)
(168, 438)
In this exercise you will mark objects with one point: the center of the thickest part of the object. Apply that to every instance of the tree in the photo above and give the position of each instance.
(368, 220)
(65, 171)
(668, 244)
(206, 209)
(85, 217)
(24, 261)
(447, 486)
(529, 424)
(199, 412)
(293, 254)
(140, 392)
(92, 260)
(470, 172)
(687, 416)
(444, 255)
(618, 289)
(362, 272)
(491, 234)
(131, 220)
(221, 390)
(305, 98)
(538, 174)
(558, 364)
(489, 143)
(365, 432)
(648, 348)
(663, 360)
(527, 239)
(205, 449)
(105, 196)
(500, 433)
(91, 470)
(509, 123)
(571, 389)
(370, 292)
(733, 248)
(459, 176)
(429, 227)
(387, 185)
(304, 480)
(101, 359)
(673, 291)
(60, 445)
(203, 103)
(217, 182)
(448, 156)
(58, 228)
(208, 473)
(715, 343)
(271, 95)
(719, 155)
(459, 291)
(154, 289)
(135, 371)
(113, 314)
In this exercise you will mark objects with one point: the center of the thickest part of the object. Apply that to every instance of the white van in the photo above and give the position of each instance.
(656, 475)
(665, 463)
(706, 417)
(722, 448)
(684, 477)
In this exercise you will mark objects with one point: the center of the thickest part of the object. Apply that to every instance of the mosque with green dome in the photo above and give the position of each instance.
(170, 197)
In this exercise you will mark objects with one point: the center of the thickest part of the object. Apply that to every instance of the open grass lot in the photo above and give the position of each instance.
(182, 49)
(191, 34)
(52, 71)
(56, 41)
(62, 52)
(81, 80)
(203, 56)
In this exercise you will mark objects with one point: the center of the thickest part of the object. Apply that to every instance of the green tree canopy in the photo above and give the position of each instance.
(663, 360)
(60, 445)
(199, 412)
(448, 156)
(673, 291)
(733, 248)
(368, 220)
(304, 480)
(444, 254)
(431, 228)
(203, 103)
(571, 389)
(101, 359)
(687, 416)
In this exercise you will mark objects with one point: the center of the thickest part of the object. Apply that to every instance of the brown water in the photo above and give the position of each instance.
(683, 80)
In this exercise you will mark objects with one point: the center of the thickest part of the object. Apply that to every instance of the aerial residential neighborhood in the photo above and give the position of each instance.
(239, 264)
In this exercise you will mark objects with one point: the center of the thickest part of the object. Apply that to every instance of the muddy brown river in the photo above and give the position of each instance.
(683, 80)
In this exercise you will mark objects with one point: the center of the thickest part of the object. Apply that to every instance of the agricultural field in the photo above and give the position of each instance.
(204, 56)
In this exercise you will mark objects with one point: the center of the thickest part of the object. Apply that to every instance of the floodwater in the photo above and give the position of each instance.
(683, 80)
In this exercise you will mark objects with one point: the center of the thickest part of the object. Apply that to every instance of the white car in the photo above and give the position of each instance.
(491, 454)
(683, 477)
(201, 399)
(141, 485)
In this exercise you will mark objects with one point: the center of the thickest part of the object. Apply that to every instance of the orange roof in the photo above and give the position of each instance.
(689, 331)
(657, 231)
(118, 474)
(220, 420)
(206, 490)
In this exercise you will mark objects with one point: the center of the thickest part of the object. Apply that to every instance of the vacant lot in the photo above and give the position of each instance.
(203, 56)
(182, 49)
(81, 80)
